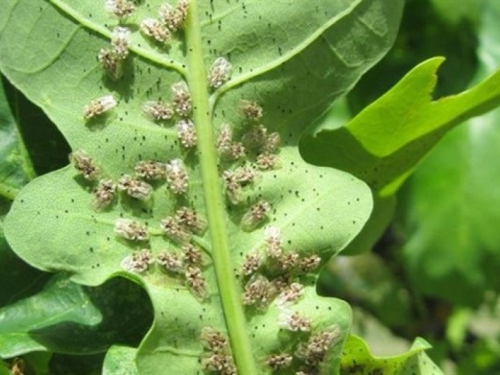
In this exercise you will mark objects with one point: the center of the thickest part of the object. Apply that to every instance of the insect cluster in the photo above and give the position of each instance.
(270, 274)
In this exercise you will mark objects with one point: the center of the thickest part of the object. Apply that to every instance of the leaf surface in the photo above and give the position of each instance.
(120, 360)
(294, 69)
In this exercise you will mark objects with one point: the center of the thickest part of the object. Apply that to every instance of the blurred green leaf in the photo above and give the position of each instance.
(68, 318)
(383, 143)
(38, 362)
(480, 358)
(17, 278)
(366, 281)
(378, 335)
(456, 327)
(358, 360)
(60, 301)
(4, 369)
(45, 145)
(65, 364)
(455, 12)
(424, 33)
(450, 208)
(15, 165)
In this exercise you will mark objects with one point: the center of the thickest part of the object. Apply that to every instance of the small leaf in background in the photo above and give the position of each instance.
(17, 278)
(385, 141)
(377, 335)
(357, 359)
(44, 143)
(449, 207)
(366, 281)
(4, 369)
(426, 32)
(68, 318)
(455, 12)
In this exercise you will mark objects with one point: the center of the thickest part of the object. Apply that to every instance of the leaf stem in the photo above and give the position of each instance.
(226, 280)
(27, 164)
(8, 192)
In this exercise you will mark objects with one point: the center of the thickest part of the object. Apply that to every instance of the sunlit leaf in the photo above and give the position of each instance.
(383, 143)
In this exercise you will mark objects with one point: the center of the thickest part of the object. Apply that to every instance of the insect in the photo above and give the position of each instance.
(99, 106)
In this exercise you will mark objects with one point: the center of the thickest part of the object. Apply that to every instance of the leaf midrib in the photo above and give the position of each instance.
(214, 201)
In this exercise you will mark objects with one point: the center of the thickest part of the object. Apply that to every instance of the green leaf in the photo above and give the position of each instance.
(46, 147)
(384, 142)
(293, 66)
(15, 166)
(4, 370)
(380, 219)
(164, 344)
(17, 277)
(367, 280)
(455, 12)
(377, 335)
(120, 360)
(38, 362)
(68, 318)
(383, 207)
(449, 209)
(358, 360)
